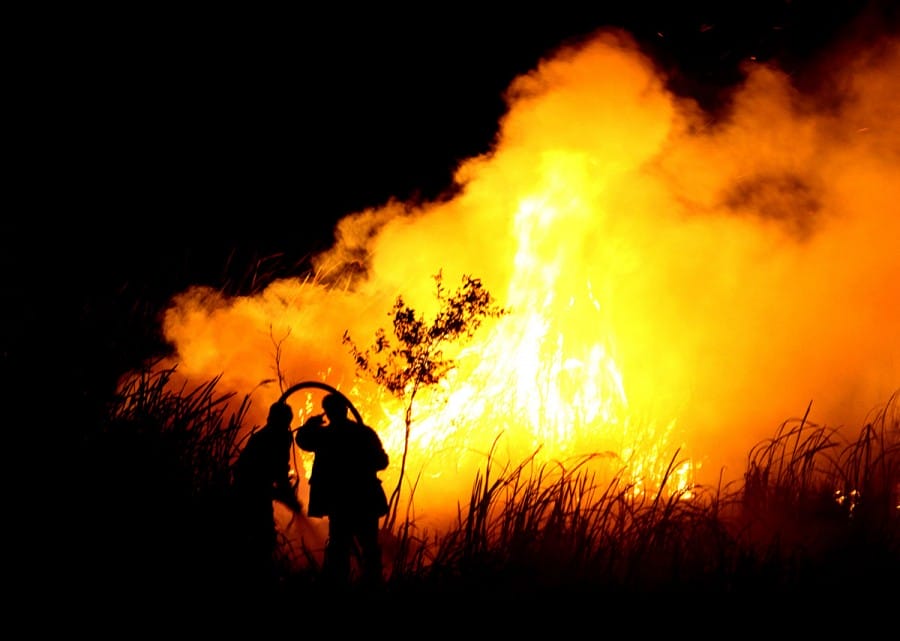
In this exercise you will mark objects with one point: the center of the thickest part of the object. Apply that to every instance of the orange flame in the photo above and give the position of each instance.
(676, 285)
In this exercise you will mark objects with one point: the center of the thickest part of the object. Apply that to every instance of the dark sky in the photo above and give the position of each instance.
(174, 137)
(168, 148)
(226, 120)
(180, 136)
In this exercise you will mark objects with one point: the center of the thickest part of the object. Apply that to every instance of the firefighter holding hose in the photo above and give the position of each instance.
(344, 487)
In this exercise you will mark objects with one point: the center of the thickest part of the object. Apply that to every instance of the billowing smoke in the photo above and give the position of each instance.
(675, 279)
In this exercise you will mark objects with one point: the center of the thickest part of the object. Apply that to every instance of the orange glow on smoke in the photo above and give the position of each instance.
(675, 284)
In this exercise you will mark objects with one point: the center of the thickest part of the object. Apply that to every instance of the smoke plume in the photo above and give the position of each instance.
(675, 280)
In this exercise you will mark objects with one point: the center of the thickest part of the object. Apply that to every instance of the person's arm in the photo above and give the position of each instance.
(286, 494)
(308, 435)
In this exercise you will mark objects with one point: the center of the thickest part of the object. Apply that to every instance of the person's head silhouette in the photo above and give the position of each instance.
(280, 414)
(335, 408)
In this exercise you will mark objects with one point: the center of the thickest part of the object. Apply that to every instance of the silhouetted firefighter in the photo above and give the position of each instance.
(262, 475)
(344, 486)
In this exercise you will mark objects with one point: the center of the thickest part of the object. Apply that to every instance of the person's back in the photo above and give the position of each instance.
(344, 473)
(260, 464)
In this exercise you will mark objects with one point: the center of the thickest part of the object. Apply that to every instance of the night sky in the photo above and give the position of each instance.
(168, 148)
(157, 148)
(181, 137)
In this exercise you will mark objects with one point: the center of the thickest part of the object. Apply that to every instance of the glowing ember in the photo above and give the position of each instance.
(675, 286)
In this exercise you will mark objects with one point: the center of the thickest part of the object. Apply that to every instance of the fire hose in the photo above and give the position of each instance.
(331, 390)
(321, 386)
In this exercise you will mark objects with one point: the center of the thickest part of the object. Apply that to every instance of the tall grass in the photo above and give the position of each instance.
(153, 486)
(825, 507)
(814, 513)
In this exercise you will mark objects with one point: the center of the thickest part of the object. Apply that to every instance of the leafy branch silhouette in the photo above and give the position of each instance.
(413, 358)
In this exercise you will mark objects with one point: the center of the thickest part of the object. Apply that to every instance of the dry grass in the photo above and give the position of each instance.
(814, 515)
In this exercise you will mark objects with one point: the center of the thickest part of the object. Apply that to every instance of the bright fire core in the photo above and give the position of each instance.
(676, 284)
